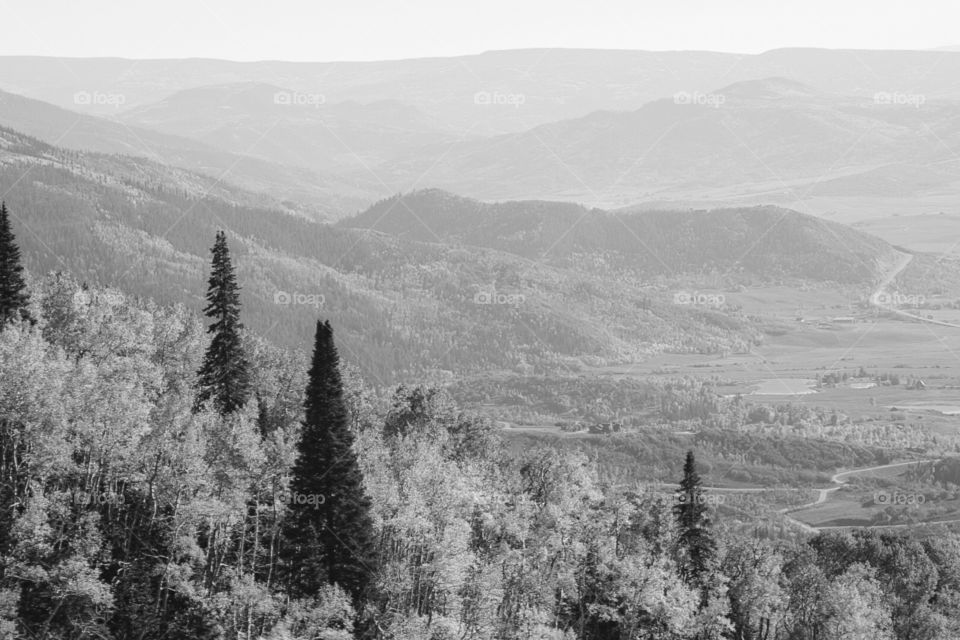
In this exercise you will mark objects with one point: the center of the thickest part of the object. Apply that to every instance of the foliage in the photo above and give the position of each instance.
(126, 514)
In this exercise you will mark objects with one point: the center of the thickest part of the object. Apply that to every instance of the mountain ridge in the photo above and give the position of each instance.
(402, 307)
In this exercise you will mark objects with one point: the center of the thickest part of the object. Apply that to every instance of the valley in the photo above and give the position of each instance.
(606, 345)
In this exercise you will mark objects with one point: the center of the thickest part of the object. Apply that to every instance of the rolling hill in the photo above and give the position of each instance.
(322, 196)
(402, 306)
(737, 246)
(291, 128)
(769, 140)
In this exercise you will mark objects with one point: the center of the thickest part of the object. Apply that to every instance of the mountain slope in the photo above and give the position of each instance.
(761, 137)
(322, 196)
(288, 127)
(401, 306)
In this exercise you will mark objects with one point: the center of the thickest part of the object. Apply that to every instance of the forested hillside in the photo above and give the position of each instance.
(403, 306)
(735, 246)
(160, 483)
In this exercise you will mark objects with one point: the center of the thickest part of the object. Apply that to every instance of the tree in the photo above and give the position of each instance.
(855, 607)
(757, 601)
(329, 532)
(695, 538)
(13, 290)
(224, 376)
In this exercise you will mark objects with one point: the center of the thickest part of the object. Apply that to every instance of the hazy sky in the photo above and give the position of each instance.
(377, 29)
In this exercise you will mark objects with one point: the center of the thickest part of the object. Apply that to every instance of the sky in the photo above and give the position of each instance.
(324, 30)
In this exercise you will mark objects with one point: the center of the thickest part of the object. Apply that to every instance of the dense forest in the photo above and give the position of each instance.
(169, 476)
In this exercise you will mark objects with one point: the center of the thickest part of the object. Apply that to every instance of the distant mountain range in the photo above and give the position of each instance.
(849, 135)
(589, 184)
(772, 140)
(806, 129)
(555, 84)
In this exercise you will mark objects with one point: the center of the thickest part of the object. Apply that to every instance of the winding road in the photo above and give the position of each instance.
(838, 479)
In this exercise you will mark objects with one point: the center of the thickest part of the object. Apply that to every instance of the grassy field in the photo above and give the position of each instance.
(801, 350)
(797, 351)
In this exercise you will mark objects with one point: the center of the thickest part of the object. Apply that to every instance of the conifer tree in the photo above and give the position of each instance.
(695, 537)
(224, 376)
(329, 532)
(13, 290)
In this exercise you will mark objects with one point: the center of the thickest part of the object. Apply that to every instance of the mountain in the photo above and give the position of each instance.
(317, 195)
(536, 85)
(769, 140)
(743, 245)
(289, 127)
(401, 306)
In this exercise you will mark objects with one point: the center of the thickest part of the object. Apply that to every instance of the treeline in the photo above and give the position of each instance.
(725, 456)
(682, 404)
(157, 483)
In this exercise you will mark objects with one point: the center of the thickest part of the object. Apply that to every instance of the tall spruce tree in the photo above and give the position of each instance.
(329, 532)
(695, 537)
(13, 290)
(224, 376)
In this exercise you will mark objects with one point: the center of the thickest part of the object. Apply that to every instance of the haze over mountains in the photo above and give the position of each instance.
(625, 177)
(273, 123)
(317, 195)
(855, 136)
(772, 140)
(557, 83)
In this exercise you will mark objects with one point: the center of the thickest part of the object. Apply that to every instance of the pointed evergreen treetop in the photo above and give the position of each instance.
(223, 292)
(329, 535)
(324, 397)
(224, 376)
(693, 522)
(13, 290)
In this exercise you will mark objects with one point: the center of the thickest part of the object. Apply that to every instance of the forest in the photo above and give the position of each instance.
(166, 475)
